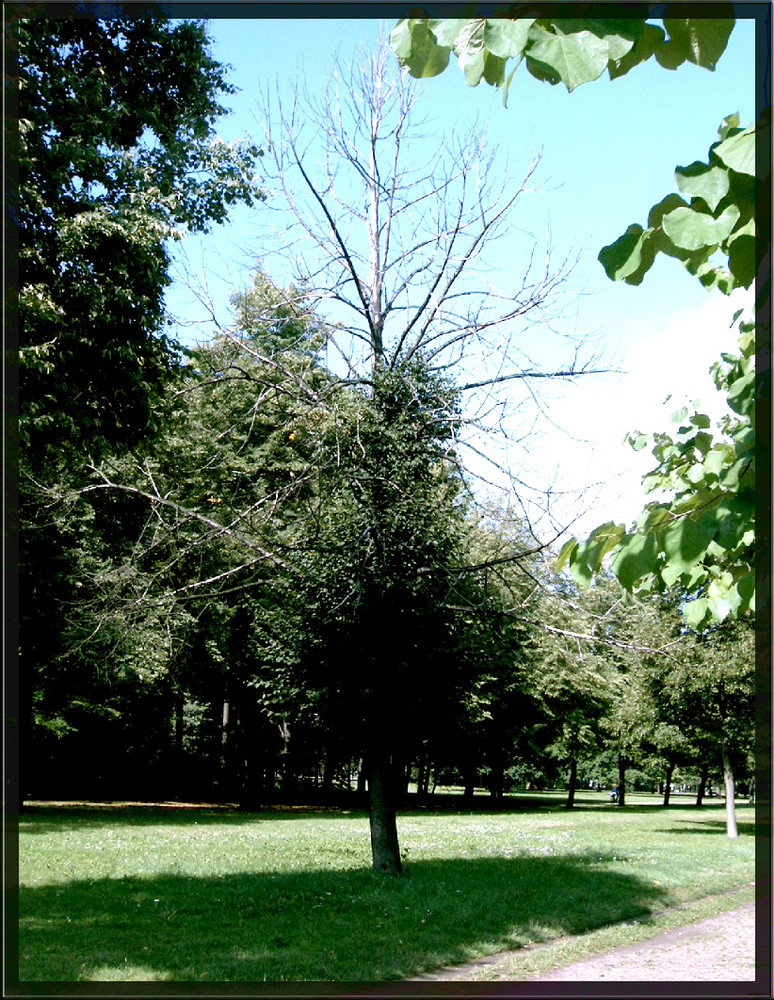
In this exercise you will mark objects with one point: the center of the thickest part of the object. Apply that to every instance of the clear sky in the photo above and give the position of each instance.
(609, 151)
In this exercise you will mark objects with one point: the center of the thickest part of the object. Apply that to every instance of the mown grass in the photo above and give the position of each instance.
(131, 894)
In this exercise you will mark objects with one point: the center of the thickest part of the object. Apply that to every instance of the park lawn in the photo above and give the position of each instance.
(211, 895)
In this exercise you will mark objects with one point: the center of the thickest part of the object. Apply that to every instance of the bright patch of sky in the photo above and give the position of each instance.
(609, 151)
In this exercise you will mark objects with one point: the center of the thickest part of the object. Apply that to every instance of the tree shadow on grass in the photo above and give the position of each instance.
(329, 926)
(713, 826)
(96, 817)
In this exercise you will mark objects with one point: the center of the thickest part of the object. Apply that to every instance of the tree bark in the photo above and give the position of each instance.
(621, 780)
(572, 783)
(702, 784)
(470, 782)
(668, 783)
(728, 779)
(385, 852)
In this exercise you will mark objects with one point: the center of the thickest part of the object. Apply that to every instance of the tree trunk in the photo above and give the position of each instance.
(572, 783)
(702, 784)
(385, 852)
(361, 777)
(470, 782)
(668, 783)
(728, 778)
(621, 780)
(421, 770)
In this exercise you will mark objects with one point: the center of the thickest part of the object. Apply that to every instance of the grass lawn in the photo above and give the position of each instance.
(212, 895)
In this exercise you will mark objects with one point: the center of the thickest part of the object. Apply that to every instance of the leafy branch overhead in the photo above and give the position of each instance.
(703, 538)
(720, 216)
(571, 51)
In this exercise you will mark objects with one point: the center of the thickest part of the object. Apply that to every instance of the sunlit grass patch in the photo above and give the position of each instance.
(290, 897)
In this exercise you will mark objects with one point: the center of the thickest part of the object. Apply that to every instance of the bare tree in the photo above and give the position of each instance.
(400, 257)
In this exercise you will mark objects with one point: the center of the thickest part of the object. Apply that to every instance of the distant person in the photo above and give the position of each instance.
(614, 794)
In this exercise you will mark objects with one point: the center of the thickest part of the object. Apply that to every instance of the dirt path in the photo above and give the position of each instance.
(717, 949)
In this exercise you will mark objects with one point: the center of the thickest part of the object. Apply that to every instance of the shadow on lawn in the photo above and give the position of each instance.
(713, 826)
(317, 926)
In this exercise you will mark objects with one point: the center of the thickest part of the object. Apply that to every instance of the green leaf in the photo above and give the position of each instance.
(666, 205)
(696, 612)
(564, 553)
(586, 557)
(635, 558)
(505, 37)
(629, 257)
(699, 180)
(737, 152)
(572, 58)
(701, 41)
(646, 45)
(418, 48)
(447, 29)
(741, 395)
(685, 544)
(692, 230)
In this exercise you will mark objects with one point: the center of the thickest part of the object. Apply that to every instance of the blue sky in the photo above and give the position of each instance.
(609, 151)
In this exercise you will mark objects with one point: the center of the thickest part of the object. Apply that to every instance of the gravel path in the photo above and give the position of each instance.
(717, 949)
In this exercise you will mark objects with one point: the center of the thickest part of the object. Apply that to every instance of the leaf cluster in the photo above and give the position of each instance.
(571, 51)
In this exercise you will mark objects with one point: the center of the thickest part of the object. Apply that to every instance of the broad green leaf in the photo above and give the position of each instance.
(685, 544)
(586, 558)
(696, 612)
(638, 441)
(746, 590)
(701, 41)
(646, 45)
(700, 420)
(741, 395)
(742, 256)
(400, 39)
(629, 257)
(737, 152)
(636, 557)
(505, 37)
(666, 205)
(716, 460)
(729, 124)
(670, 574)
(564, 553)
(447, 29)
(425, 57)
(572, 58)
(699, 180)
(693, 230)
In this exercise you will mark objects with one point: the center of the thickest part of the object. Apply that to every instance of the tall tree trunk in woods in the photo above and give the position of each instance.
(421, 769)
(572, 784)
(728, 780)
(471, 774)
(668, 783)
(702, 784)
(621, 780)
(385, 851)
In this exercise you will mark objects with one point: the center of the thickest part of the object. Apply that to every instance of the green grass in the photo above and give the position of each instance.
(182, 895)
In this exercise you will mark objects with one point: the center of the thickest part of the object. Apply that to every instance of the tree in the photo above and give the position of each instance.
(117, 156)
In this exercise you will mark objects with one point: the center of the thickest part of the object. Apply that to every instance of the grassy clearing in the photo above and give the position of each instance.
(289, 896)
